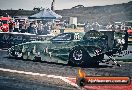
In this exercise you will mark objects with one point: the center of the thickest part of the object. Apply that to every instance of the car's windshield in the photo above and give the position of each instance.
(63, 37)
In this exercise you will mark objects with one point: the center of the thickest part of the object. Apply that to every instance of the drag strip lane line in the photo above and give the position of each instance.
(70, 82)
(38, 74)
(30, 73)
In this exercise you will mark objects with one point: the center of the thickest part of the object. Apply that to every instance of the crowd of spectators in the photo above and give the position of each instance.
(33, 27)
(44, 28)
(109, 26)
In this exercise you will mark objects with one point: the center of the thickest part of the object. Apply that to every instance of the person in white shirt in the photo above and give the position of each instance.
(40, 27)
(35, 26)
(16, 26)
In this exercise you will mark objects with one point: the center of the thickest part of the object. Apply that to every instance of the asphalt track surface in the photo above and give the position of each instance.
(28, 75)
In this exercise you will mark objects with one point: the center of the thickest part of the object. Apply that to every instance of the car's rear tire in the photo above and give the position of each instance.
(78, 57)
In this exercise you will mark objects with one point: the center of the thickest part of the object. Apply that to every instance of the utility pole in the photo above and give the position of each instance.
(53, 5)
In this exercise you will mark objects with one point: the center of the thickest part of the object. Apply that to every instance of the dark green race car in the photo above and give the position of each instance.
(76, 49)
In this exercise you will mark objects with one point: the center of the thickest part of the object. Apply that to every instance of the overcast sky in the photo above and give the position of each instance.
(59, 4)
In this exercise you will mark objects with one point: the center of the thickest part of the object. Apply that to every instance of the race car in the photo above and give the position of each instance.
(76, 49)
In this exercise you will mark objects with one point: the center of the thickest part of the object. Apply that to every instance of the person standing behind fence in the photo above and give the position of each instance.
(27, 24)
(45, 29)
(95, 26)
(0, 26)
(11, 26)
(30, 29)
(40, 27)
(16, 26)
(23, 27)
(87, 27)
(35, 26)
(49, 28)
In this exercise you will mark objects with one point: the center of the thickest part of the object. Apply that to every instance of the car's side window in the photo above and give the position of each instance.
(62, 37)
(92, 34)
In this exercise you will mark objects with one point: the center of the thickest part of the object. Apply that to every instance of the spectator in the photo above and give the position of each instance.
(30, 29)
(0, 26)
(35, 26)
(16, 26)
(87, 27)
(123, 26)
(108, 26)
(95, 26)
(23, 29)
(46, 29)
(49, 28)
(40, 27)
(27, 24)
(11, 26)
(113, 27)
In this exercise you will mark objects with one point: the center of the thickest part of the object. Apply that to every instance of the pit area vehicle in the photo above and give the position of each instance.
(4, 21)
(73, 48)
(129, 27)
(130, 32)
